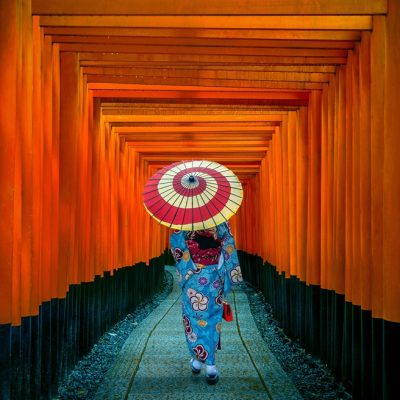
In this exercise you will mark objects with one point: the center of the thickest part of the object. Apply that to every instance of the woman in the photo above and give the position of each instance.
(207, 266)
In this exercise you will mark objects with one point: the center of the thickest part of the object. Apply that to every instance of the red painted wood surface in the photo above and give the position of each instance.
(90, 109)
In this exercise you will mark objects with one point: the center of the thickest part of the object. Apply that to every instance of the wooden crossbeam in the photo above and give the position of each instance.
(202, 131)
(151, 80)
(172, 96)
(126, 104)
(211, 110)
(327, 69)
(193, 90)
(162, 109)
(120, 107)
(209, 7)
(224, 146)
(155, 133)
(325, 22)
(172, 42)
(206, 154)
(192, 118)
(271, 34)
(190, 91)
(182, 97)
(238, 164)
(198, 50)
(213, 58)
(210, 74)
(243, 139)
(241, 166)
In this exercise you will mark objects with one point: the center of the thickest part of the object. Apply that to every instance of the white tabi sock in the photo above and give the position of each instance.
(196, 363)
(211, 370)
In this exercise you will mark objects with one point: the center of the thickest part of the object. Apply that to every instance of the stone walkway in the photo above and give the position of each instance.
(154, 361)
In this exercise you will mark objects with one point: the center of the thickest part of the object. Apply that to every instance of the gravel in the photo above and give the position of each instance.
(83, 381)
(312, 378)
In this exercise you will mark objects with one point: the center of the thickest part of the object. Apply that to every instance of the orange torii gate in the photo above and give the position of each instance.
(299, 98)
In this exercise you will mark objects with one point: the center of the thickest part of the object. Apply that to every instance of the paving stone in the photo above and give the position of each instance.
(154, 361)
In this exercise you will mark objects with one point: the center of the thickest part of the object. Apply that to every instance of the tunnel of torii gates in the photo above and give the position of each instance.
(300, 98)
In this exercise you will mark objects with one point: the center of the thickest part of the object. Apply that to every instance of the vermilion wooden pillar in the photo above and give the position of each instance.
(8, 141)
(314, 191)
(391, 162)
(378, 56)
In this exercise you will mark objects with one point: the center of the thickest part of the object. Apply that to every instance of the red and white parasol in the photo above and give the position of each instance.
(193, 195)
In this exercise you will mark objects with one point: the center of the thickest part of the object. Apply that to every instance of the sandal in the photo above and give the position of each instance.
(212, 379)
(212, 375)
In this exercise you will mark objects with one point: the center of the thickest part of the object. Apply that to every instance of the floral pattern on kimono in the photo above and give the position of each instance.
(205, 275)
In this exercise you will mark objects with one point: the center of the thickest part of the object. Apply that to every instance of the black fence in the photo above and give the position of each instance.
(36, 355)
(362, 352)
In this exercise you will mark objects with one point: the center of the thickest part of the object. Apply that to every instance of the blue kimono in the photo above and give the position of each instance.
(207, 265)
